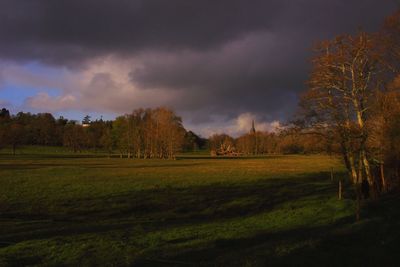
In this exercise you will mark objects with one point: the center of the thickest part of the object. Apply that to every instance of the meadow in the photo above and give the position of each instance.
(64, 209)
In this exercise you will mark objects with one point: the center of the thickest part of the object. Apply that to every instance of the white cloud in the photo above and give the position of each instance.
(42, 101)
(236, 127)
(244, 122)
(104, 85)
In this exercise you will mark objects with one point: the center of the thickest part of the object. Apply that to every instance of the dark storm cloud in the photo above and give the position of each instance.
(248, 75)
(263, 71)
(75, 29)
(227, 56)
(65, 29)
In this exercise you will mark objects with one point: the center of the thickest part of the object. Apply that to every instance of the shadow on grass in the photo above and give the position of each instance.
(164, 207)
(371, 242)
(261, 249)
(343, 243)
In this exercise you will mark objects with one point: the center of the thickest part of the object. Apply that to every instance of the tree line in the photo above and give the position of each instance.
(281, 141)
(144, 133)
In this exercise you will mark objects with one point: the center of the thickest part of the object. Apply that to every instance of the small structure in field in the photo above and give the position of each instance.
(225, 150)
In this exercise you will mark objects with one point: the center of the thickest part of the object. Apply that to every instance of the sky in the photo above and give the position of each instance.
(218, 63)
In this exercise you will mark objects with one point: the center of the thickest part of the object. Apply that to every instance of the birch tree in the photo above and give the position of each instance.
(344, 80)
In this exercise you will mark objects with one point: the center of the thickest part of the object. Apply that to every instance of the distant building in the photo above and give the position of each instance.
(253, 140)
(253, 129)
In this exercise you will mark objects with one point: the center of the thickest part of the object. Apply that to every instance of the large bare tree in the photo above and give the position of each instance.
(347, 72)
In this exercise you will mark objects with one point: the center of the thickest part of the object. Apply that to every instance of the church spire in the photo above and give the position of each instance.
(253, 129)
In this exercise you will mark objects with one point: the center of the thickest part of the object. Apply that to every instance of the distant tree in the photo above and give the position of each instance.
(137, 132)
(74, 137)
(4, 124)
(28, 122)
(120, 134)
(4, 114)
(163, 133)
(86, 120)
(61, 123)
(94, 133)
(249, 143)
(46, 130)
(106, 140)
(14, 135)
(193, 142)
(384, 136)
(389, 37)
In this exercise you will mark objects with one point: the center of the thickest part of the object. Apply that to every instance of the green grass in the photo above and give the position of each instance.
(59, 209)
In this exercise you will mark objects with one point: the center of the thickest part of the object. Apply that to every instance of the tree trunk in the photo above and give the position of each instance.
(340, 190)
(363, 156)
(358, 202)
(398, 170)
(367, 170)
(353, 170)
(384, 185)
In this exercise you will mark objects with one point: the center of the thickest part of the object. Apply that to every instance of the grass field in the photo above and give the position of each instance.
(60, 209)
